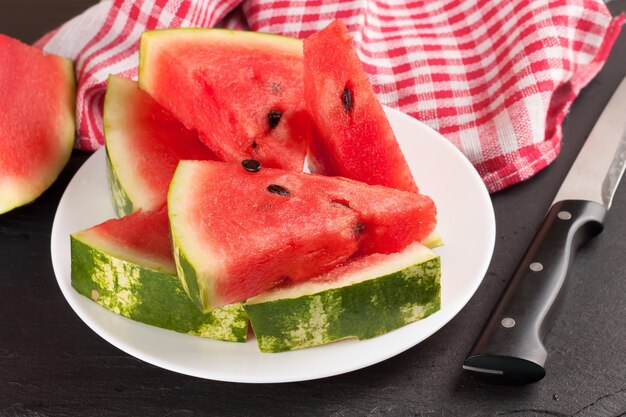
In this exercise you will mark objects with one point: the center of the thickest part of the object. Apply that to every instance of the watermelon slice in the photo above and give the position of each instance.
(37, 94)
(360, 300)
(353, 137)
(238, 233)
(126, 266)
(242, 91)
(144, 143)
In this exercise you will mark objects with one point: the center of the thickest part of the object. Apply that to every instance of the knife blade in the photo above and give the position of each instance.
(510, 347)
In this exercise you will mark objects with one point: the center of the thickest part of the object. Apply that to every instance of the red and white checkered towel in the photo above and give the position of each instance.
(494, 77)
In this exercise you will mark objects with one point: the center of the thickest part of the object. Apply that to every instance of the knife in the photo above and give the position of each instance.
(510, 348)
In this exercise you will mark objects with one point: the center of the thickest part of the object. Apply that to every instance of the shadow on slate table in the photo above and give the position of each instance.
(52, 364)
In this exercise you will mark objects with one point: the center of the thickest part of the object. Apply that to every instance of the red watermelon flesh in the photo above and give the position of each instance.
(144, 144)
(242, 91)
(142, 235)
(245, 232)
(353, 137)
(36, 121)
(388, 226)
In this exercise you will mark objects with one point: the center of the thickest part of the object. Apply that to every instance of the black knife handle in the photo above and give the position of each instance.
(509, 349)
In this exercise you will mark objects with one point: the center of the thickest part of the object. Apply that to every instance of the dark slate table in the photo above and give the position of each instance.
(51, 364)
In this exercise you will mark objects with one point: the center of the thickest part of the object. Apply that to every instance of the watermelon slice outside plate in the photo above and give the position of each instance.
(36, 121)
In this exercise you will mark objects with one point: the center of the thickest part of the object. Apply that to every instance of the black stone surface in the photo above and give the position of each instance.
(51, 364)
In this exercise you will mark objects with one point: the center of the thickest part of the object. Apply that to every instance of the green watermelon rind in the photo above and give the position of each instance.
(194, 286)
(122, 204)
(26, 190)
(147, 295)
(361, 310)
(116, 142)
(433, 240)
(187, 275)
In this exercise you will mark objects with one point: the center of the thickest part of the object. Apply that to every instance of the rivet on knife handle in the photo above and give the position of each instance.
(510, 347)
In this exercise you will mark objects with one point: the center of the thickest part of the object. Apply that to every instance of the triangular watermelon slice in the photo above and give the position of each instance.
(353, 137)
(144, 143)
(242, 91)
(126, 266)
(238, 233)
(36, 121)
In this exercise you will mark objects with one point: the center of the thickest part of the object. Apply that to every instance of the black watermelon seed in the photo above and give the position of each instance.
(277, 189)
(346, 99)
(273, 117)
(254, 145)
(359, 228)
(251, 165)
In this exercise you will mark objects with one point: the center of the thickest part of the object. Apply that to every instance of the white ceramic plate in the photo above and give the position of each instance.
(466, 223)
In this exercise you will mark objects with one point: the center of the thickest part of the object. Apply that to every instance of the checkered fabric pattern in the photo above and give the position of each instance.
(495, 78)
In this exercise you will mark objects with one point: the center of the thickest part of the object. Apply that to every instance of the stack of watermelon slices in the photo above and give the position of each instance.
(221, 225)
